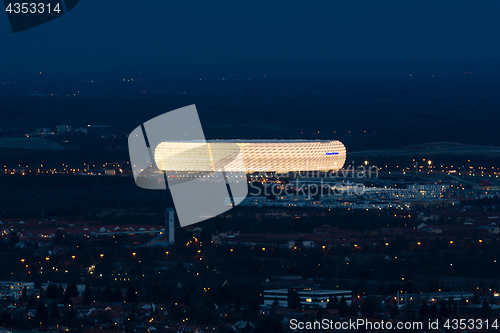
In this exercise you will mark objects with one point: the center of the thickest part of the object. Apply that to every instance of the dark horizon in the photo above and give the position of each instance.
(327, 68)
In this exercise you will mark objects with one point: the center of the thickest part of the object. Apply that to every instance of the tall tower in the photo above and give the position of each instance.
(169, 225)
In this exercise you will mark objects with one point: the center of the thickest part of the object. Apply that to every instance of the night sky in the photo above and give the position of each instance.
(101, 34)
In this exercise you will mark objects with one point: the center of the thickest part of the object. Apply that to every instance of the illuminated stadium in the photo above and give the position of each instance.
(250, 155)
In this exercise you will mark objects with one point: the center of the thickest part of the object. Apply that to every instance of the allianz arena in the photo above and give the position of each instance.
(250, 156)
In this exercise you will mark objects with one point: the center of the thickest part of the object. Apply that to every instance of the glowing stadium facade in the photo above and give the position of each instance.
(250, 156)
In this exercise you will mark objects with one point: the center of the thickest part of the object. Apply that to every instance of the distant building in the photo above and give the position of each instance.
(293, 198)
(279, 156)
(42, 131)
(14, 289)
(306, 296)
(256, 201)
(437, 296)
(63, 129)
(81, 130)
(429, 191)
(226, 234)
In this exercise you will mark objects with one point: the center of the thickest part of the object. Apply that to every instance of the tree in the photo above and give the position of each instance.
(433, 311)
(443, 309)
(70, 311)
(131, 295)
(353, 309)
(41, 311)
(58, 238)
(295, 301)
(156, 293)
(485, 310)
(108, 294)
(6, 319)
(392, 289)
(332, 302)
(253, 304)
(103, 318)
(319, 315)
(395, 311)
(424, 309)
(99, 294)
(409, 287)
(275, 305)
(359, 289)
(451, 305)
(24, 296)
(55, 311)
(117, 295)
(71, 291)
(367, 308)
(381, 290)
(87, 296)
(14, 239)
(343, 307)
(60, 293)
(133, 313)
(51, 292)
(32, 303)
